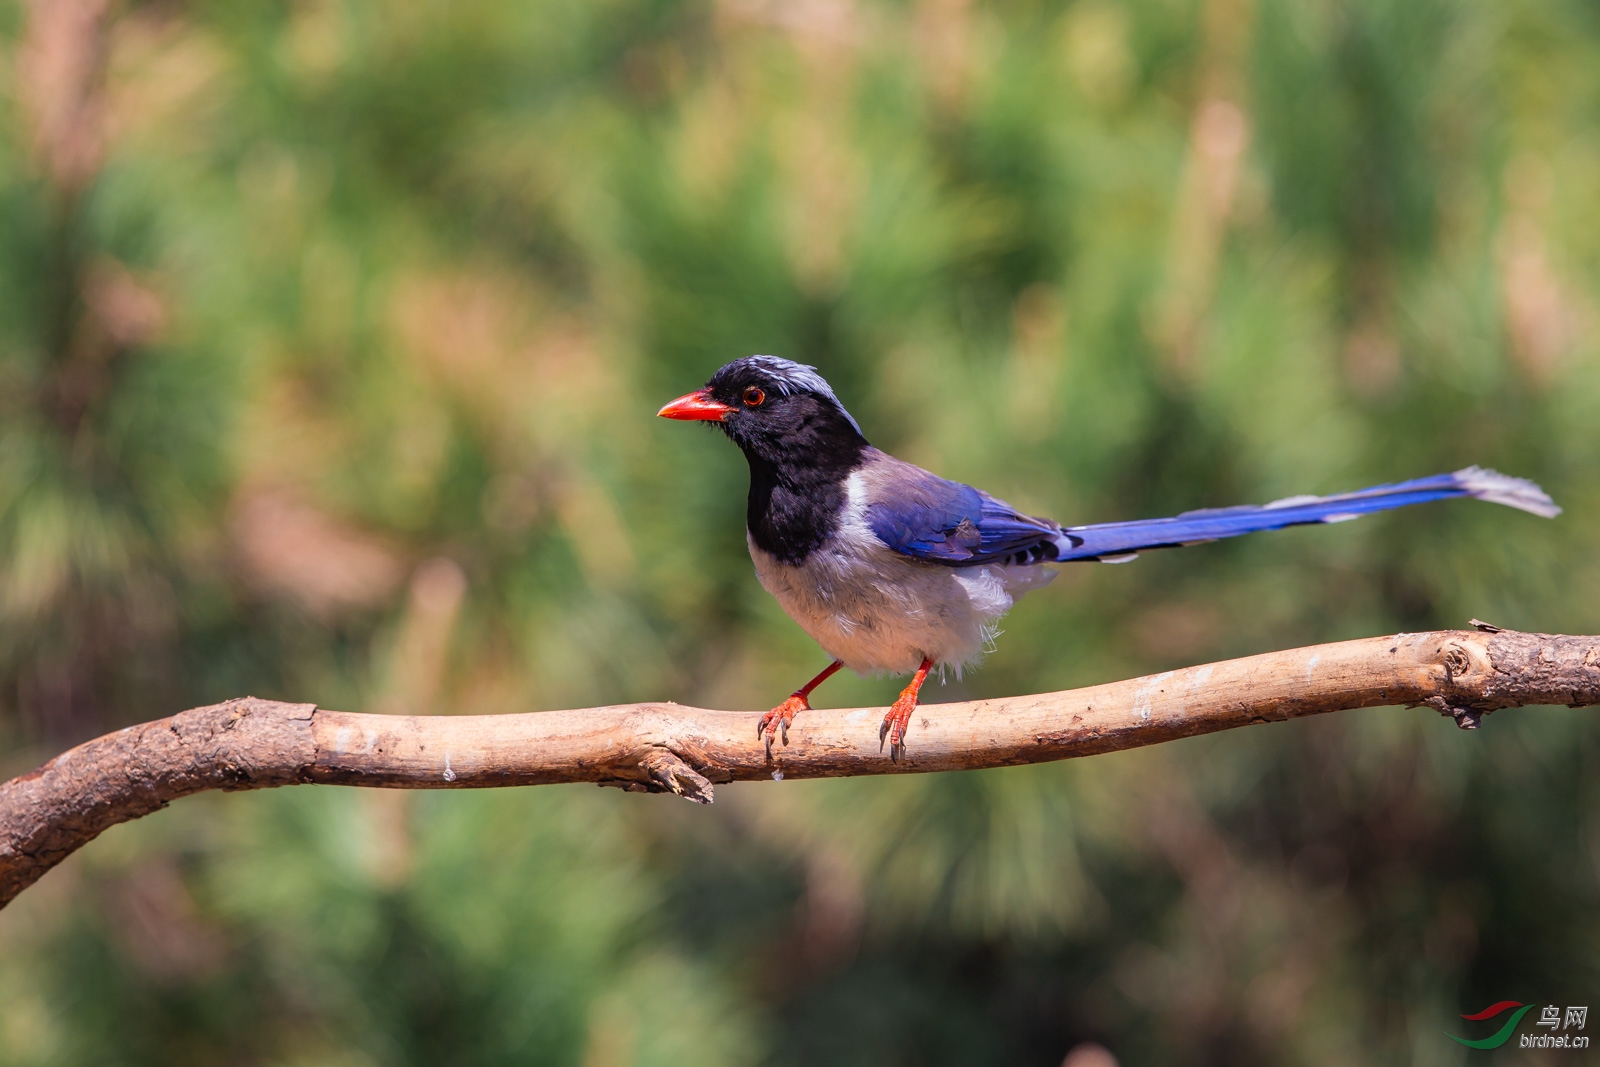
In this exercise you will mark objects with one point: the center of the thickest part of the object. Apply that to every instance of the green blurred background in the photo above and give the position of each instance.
(331, 335)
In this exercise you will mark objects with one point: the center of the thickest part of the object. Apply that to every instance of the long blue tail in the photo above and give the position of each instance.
(1118, 542)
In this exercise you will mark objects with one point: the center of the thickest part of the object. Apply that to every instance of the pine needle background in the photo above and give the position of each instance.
(331, 335)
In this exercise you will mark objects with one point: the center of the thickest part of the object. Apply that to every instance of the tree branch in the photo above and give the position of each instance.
(254, 744)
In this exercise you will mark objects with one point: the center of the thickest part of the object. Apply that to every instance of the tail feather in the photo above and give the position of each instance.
(1118, 542)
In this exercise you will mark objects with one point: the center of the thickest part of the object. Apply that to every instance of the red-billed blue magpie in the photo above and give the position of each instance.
(893, 569)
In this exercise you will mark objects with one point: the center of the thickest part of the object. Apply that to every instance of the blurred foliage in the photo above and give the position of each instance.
(330, 337)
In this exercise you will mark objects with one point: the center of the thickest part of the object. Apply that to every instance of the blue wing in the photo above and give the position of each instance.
(927, 517)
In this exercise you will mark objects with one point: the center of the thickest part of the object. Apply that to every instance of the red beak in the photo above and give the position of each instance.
(697, 407)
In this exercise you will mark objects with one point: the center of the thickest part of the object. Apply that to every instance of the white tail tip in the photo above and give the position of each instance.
(1499, 488)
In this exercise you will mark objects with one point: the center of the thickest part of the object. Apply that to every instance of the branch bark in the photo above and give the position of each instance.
(250, 743)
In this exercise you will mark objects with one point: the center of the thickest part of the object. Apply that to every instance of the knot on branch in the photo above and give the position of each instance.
(1466, 669)
(1466, 718)
(669, 773)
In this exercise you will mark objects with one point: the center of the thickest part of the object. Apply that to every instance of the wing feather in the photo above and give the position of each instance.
(921, 515)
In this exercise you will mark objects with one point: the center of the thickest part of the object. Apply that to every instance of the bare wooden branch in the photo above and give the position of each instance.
(253, 744)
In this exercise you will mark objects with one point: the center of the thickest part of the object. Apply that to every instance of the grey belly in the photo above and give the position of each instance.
(879, 612)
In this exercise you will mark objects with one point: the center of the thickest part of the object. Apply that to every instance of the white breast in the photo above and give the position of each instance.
(878, 611)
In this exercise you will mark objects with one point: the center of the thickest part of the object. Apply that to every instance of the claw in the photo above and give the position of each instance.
(897, 737)
(898, 719)
(775, 723)
(895, 726)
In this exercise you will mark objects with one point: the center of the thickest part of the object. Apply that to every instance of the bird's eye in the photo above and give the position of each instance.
(754, 397)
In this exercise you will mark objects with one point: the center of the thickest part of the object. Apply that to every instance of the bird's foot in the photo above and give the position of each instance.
(899, 717)
(895, 724)
(778, 719)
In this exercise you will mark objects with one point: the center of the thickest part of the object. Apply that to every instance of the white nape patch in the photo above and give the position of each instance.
(1499, 488)
(880, 612)
(795, 377)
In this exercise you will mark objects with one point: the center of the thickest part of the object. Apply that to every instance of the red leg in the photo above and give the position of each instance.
(899, 717)
(778, 718)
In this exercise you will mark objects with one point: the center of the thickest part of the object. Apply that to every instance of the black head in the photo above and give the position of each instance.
(781, 413)
(800, 441)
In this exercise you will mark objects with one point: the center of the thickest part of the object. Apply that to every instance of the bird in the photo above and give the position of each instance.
(895, 570)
